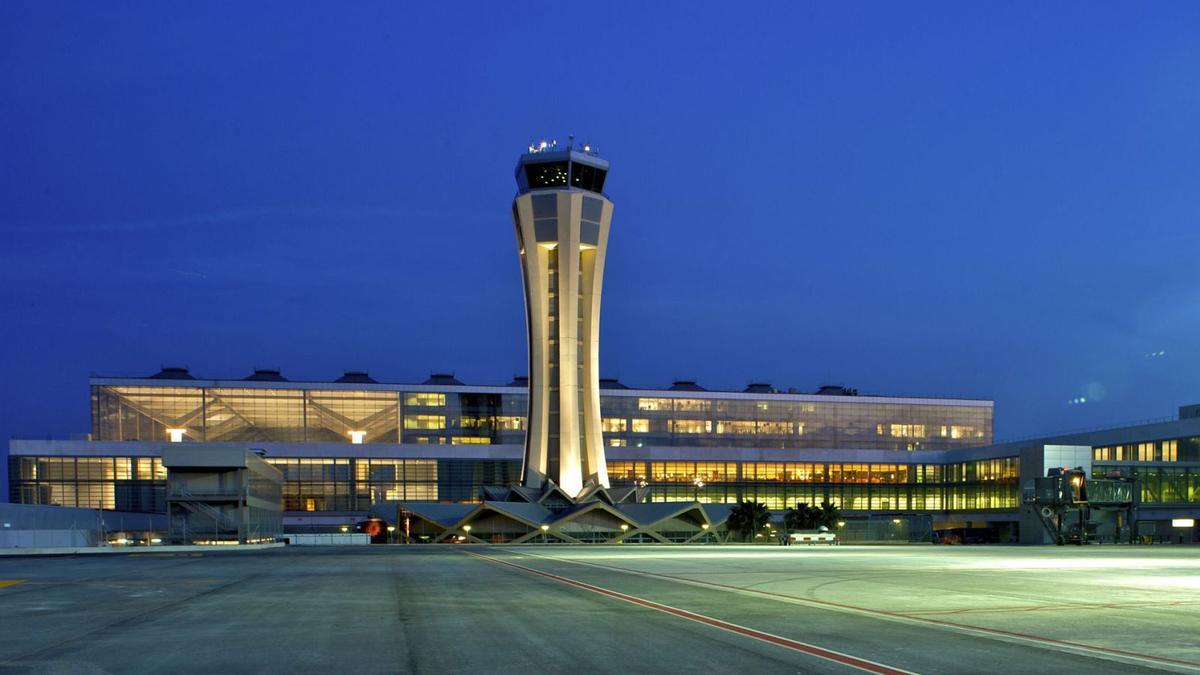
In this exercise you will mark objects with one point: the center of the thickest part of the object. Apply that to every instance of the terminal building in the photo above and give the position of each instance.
(355, 449)
(347, 446)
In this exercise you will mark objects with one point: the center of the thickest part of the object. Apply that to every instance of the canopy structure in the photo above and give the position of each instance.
(518, 515)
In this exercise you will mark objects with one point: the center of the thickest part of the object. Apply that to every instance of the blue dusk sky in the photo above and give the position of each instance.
(961, 199)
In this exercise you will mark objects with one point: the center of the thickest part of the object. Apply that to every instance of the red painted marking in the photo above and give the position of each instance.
(803, 647)
(898, 615)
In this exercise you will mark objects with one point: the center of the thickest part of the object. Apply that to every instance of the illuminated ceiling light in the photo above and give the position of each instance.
(356, 437)
(176, 435)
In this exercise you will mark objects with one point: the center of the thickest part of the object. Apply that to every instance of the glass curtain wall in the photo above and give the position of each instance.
(298, 415)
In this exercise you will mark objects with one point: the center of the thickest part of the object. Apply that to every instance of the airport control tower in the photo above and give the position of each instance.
(561, 216)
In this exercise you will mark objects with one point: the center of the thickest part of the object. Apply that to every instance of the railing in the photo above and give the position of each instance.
(220, 517)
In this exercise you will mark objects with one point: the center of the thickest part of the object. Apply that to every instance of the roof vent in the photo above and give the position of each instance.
(265, 375)
(611, 383)
(172, 373)
(519, 381)
(442, 378)
(836, 390)
(760, 388)
(356, 377)
(686, 385)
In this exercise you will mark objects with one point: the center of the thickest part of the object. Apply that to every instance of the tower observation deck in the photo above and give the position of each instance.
(562, 216)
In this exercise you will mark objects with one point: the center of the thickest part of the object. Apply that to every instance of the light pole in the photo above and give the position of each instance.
(624, 530)
(545, 529)
(391, 534)
(704, 526)
(467, 529)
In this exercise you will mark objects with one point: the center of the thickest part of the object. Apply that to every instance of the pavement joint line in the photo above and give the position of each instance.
(996, 633)
(1042, 608)
(769, 638)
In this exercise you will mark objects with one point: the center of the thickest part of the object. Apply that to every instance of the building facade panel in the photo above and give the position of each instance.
(312, 413)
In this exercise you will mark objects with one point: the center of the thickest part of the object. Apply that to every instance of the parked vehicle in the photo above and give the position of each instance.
(819, 536)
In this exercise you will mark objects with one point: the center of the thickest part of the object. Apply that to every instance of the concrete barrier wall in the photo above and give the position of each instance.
(44, 538)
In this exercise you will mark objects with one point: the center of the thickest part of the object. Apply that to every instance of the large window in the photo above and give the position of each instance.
(423, 398)
(424, 421)
(586, 177)
(689, 426)
(546, 174)
(613, 424)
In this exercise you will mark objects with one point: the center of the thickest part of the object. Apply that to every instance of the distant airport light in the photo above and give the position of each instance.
(1183, 522)
(356, 437)
(176, 435)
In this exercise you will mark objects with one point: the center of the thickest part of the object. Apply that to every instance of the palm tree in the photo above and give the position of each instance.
(828, 515)
(801, 517)
(747, 519)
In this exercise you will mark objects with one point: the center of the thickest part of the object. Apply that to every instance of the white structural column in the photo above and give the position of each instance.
(562, 234)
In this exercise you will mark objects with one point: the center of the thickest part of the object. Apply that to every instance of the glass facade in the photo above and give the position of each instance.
(1168, 450)
(981, 485)
(343, 484)
(138, 484)
(135, 484)
(303, 414)
(1160, 484)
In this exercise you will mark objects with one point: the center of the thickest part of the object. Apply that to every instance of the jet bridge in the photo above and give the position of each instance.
(1072, 507)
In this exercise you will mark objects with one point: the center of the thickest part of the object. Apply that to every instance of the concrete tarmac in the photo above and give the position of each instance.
(434, 609)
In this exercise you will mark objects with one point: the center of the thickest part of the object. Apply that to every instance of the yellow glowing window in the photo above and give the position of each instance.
(962, 432)
(618, 442)
(767, 470)
(424, 398)
(424, 421)
(470, 440)
(639, 426)
(691, 404)
(736, 427)
(623, 470)
(689, 426)
(902, 430)
(614, 424)
(673, 472)
(510, 423)
(654, 404)
(776, 428)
